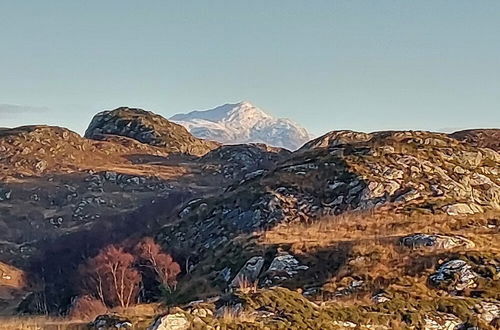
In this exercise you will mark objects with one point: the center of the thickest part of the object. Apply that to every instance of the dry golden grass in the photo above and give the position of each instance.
(247, 286)
(370, 225)
(365, 246)
(39, 323)
(141, 315)
(231, 316)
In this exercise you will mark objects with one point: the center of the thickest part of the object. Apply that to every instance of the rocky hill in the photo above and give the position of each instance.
(63, 196)
(407, 220)
(35, 150)
(486, 138)
(147, 127)
(383, 230)
(243, 123)
(406, 172)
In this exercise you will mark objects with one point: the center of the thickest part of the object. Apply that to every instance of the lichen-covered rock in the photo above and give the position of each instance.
(436, 240)
(380, 298)
(147, 127)
(176, 321)
(442, 321)
(249, 272)
(454, 275)
(337, 138)
(462, 208)
(488, 310)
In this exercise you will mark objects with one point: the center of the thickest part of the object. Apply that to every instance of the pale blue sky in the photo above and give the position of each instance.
(362, 65)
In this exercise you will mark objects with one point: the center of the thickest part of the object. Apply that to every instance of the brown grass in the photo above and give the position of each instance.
(366, 246)
(40, 322)
(140, 315)
(370, 225)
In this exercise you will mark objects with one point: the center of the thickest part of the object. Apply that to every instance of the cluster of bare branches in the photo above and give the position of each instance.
(115, 274)
(161, 264)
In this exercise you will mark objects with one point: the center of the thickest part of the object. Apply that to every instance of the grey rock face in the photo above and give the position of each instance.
(105, 322)
(353, 287)
(283, 267)
(249, 272)
(243, 161)
(5, 194)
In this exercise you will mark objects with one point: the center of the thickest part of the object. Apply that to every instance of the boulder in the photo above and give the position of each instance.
(442, 321)
(105, 322)
(176, 321)
(249, 272)
(462, 208)
(380, 298)
(353, 286)
(437, 241)
(488, 311)
(283, 267)
(454, 275)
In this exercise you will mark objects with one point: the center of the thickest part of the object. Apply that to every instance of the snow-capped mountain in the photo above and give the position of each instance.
(243, 123)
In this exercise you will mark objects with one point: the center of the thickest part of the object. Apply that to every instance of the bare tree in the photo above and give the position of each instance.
(111, 277)
(150, 255)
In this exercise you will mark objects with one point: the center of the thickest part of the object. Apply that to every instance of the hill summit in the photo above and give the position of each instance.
(149, 128)
(243, 123)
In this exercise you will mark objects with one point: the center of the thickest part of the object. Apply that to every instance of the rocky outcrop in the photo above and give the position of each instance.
(405, 172)
(249, 273)
(436, 241)
(283, 267)
(14, 287)
(337, 138)
(108, 322)
(454, 275)
(243, 162)
(442, 321)
(483, 138)
(488, 310)
(149, 128)
(176, 321)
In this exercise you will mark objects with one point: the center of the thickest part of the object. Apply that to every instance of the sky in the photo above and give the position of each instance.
(328, 65)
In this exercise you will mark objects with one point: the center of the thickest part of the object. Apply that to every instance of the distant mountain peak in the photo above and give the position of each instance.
(243, 122)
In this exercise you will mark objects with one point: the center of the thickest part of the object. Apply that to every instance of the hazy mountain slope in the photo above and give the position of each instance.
(243, 123)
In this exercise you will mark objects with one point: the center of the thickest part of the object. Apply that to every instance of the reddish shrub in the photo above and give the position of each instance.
(149, 255)
(86, 308)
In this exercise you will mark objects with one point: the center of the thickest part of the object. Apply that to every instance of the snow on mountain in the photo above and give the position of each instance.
(243, 123)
